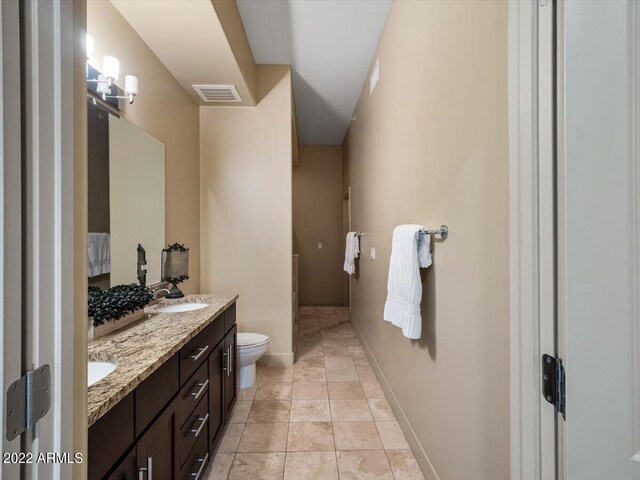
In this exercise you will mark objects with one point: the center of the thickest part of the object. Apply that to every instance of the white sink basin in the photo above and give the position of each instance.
(98, 370)
(182, 307)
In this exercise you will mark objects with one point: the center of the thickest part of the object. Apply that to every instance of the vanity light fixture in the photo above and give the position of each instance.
(105, 80)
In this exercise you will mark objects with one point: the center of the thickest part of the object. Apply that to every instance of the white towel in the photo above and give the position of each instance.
(410, 251)
(351, 251)
(98, 254)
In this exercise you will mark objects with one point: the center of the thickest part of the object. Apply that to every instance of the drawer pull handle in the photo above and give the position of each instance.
(148, 469)
(198, 431)
(225, 362)
(203, 387)
(198, 474)
(228, 361)
(196, 356)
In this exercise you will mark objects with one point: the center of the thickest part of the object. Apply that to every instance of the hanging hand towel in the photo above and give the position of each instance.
(98, 254)
(351, 251)
(410, 251)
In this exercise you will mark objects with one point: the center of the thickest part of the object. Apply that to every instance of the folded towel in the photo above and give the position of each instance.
(351, 251)
(410, 251)
(98, 254)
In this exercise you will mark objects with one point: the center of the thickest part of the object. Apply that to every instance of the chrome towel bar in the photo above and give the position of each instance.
(443, 231)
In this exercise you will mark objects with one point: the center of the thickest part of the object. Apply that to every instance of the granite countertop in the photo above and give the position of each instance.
(140, 348)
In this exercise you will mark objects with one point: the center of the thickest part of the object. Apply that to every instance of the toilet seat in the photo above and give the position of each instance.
(246, 340)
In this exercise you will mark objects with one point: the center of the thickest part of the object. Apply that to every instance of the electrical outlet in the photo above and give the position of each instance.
(373, 253)
(319, 245)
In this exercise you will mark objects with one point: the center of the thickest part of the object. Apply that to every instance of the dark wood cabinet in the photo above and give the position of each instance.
(126, 469)
(169, 426)
(156, 448)
(194, 390)
(196, 426)
(216, 386)
(110, 438)
(196, 464)
(230, 341)
(155, 392)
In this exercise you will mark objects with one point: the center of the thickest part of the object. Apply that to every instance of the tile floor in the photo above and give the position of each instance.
(325, 418)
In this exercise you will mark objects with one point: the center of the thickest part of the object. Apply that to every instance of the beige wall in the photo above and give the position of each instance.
(430, 147)
(167, 112)
(245, 165)
(317, 217)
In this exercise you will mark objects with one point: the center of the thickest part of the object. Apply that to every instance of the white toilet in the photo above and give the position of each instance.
(251, 346)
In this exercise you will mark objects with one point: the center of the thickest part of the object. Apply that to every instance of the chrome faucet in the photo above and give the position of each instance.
(160, 290)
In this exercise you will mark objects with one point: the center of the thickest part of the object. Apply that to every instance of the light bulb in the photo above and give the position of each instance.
(130, 85)
(111, 67)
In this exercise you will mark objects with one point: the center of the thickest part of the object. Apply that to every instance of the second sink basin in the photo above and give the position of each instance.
(96, 371)
(182, 307)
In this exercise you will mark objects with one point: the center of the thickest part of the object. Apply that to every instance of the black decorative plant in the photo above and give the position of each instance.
(113, 303)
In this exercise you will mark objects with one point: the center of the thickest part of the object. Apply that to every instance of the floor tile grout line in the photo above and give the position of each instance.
(335, 453)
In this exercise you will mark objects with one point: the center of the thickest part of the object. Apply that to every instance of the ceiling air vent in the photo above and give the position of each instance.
(218, 93)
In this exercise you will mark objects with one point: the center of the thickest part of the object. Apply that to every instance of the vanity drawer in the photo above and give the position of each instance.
(196, 464)
(229, 317)
(195, 390)
(155, 392)
(194, 353)
(196, 426)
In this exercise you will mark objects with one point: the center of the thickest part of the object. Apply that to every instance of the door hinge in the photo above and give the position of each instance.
(28, 400)
(553, 383)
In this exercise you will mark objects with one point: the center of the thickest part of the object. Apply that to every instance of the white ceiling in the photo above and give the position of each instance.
(329, 44)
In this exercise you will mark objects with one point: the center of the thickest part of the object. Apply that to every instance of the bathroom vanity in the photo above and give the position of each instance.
(160, 414)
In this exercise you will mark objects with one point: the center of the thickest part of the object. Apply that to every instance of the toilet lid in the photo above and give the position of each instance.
(248, 339)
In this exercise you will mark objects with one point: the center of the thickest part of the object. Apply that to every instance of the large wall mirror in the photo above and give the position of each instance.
(125, 200)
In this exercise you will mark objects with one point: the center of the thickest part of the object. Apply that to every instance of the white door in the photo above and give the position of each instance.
(598, 218)
(10, 219)
(36, 232)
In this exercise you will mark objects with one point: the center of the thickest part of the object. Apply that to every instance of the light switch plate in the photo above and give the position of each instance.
(373, 253)
(319, 245)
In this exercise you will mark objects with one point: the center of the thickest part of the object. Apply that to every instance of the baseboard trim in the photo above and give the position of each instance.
(418, 450)
(277, 359)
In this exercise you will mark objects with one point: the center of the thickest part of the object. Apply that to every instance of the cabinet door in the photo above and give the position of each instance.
(156, 452)
(110, 438)
(230, 341)
(216, 388)
(126, 470)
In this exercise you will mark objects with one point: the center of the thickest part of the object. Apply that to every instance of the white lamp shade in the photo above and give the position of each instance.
(90, 51)
(103, 85)
(130, 84)
(111, 67)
